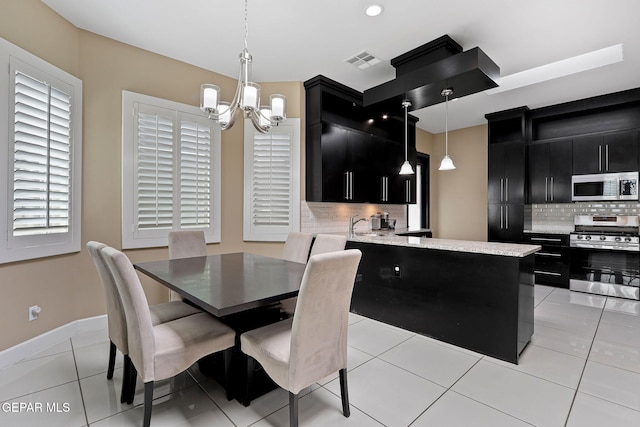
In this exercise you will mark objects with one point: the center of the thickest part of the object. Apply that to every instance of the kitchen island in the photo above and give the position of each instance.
(475, 295)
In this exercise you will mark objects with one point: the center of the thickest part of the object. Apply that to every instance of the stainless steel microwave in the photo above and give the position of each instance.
(605, 186)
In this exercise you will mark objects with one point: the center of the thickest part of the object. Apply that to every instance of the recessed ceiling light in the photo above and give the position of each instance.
(374, 10)
(587, 61)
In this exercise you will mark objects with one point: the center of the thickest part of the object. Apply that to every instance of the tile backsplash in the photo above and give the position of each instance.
(560, 216)
(322, 217)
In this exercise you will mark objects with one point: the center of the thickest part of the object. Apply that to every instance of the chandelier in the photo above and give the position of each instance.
(246, 98)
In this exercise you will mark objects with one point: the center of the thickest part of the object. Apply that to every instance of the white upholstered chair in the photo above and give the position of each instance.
(162, 351)
(185, 244)
(296, 248)
(117, 326)
(328, 243)
(322, 244)
(312, 344)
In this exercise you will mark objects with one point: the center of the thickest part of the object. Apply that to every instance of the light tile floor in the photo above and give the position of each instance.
(581, 369)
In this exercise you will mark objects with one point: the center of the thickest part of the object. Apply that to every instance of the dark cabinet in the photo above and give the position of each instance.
(506, 172)
(552, 261)
(613, 152)
(550, 166)
(349, 157)
(508, 133)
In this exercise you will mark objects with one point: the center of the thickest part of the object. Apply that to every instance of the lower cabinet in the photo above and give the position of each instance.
(552, 262)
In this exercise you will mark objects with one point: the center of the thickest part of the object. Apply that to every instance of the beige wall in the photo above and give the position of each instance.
(67, 287)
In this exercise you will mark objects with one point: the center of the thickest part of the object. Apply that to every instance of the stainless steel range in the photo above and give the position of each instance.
(605, 255)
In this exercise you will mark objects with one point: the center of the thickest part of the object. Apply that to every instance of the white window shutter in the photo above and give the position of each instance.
(41, 175)
(195, 173)
(171, 171)
(272, 177)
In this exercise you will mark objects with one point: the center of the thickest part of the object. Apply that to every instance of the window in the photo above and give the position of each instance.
(171, 171)
(272, 181)
(41, 181)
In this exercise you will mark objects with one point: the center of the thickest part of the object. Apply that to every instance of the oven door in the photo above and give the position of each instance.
(605, 272)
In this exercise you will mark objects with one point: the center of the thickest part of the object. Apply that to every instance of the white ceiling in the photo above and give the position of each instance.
(295, 40)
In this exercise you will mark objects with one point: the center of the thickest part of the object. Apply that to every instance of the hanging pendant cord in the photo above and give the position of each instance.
(446, 125)
(246, 23)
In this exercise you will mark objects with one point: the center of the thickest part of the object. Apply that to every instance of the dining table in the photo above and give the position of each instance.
(242, 289)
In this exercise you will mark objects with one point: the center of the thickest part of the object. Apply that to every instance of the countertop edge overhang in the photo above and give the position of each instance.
(487, 248)
(467, 73)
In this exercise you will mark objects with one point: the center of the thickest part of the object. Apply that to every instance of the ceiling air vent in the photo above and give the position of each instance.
(363, 60)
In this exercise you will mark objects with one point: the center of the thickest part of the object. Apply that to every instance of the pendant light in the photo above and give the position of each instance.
(447, 163)
(406, 168)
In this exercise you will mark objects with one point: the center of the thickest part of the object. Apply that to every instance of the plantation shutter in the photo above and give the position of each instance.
(155, 172)
(272, 182)
(42, 157)
(195, 172)
(271, 179)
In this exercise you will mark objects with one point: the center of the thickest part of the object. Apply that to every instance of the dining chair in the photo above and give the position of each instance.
(311, 345)
(116, 323)
(185, 244)
(296, 247)
(162, 351)
(323, 243)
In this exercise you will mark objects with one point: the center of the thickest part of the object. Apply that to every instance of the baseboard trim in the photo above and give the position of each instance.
(26, 349)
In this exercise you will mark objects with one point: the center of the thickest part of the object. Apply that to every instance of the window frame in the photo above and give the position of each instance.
(21, 248)
(132, 236)
(271, 233)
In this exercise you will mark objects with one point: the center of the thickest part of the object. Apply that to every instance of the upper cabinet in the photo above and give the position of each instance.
(549, 177)
(615, 152)
(354, 155)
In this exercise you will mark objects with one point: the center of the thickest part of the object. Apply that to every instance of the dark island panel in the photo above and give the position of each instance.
(476, 301)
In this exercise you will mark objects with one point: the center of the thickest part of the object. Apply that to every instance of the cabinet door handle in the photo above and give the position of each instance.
(346, 185)
(506, 217)
(546, 239)
(506, 190)
(350, 185)
(501, 192)
(549, 273)
(501, 216)
(546, 188)
(606, 157)
(408, 191)
(599, 158)
(552, 196)
(548, 254)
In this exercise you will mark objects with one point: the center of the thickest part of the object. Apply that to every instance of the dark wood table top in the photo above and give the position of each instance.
(228, 283)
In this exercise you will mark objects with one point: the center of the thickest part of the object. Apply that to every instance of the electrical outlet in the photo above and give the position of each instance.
(34, 312)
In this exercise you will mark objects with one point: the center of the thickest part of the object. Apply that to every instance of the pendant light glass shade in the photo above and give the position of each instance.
(446, 164)
(406, 168)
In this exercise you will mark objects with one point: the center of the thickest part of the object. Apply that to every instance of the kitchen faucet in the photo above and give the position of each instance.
(352, 223)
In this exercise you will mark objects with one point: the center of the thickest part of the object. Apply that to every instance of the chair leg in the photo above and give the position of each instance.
(133, 376)
(126, 373)
(148, 399)
(226, 356)
(293, 410)
(344, 392)
(112, 360)
(251, 364)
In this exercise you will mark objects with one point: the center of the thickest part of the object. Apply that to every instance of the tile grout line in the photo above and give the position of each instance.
(75, 365)
(575, 394)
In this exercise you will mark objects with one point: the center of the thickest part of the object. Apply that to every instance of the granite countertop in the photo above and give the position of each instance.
(489, 248)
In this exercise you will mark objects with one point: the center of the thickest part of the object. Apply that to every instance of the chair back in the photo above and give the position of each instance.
(186, 244)
(320, 322)
(142, 344)
(115, 311)
(297, 246)
(328, 243)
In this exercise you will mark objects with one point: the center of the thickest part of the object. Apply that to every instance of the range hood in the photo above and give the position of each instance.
(422, 73)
